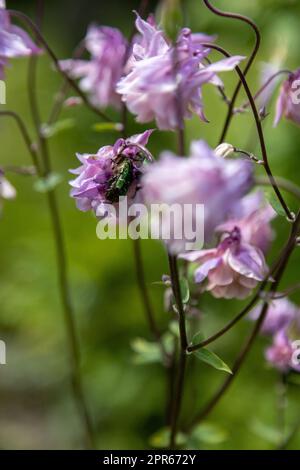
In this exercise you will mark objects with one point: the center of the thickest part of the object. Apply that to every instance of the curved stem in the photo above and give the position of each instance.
(251, 23)
(285, 256)
(226, 328)
(259, 131)
(262, 89)
(283, 183)
(42, 40)
(237, 318)
(26, 137)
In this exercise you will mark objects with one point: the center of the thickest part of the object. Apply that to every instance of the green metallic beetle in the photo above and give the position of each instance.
(119, 184)
(125, 172)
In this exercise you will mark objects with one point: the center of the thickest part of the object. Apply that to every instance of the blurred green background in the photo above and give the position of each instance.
(127, 401)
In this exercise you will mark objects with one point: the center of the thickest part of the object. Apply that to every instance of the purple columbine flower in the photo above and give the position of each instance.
(99, 75)
(281, 313)
(288, 102)
(232, 269)
(253, 221)
(96, 183)
(202, 178)
(14, 42)
(281, 353)
(165, 81)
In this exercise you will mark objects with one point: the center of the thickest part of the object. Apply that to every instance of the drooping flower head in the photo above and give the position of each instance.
(203, 178)
(281, 354)
(281, 313)
(99, 75)
(14, 41)
(112, 172)
(232, 269)
(288, 102)
(165, 81)
(253, 221)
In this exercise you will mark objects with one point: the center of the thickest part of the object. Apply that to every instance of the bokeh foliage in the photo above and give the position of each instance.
(127, 400)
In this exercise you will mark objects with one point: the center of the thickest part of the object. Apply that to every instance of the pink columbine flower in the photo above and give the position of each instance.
(280, 315)
(288, 102)
(281, 353)
(14, 42)
(99, 75)
(93, 187)
(165, 81)
(232, 269)
(202, 178)
(253, 221)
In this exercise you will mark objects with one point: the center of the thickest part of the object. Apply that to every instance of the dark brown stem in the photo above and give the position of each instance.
(262, 89)
(283, 183)
(140, 276)
(284, 259)
(226, 328)
(259, 131)
(43, 42)
(243, 18)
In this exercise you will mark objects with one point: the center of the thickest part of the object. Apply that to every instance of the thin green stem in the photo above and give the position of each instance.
(179, 385)
(72, 339)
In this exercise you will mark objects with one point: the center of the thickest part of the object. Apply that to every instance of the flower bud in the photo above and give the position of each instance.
(224, 150)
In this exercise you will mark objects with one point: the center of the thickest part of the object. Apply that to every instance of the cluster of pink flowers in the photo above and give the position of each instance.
(237, 264)
(281, 324)
(152, 76)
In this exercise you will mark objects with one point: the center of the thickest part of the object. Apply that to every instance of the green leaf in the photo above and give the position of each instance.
(273, 201)
(43, 185)
(161, 438)
(208, 433)
(58, 126)
(146, 352)
(197, 338)
(210, 358)
(266, 432)
(185, 290)
(107, 126)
